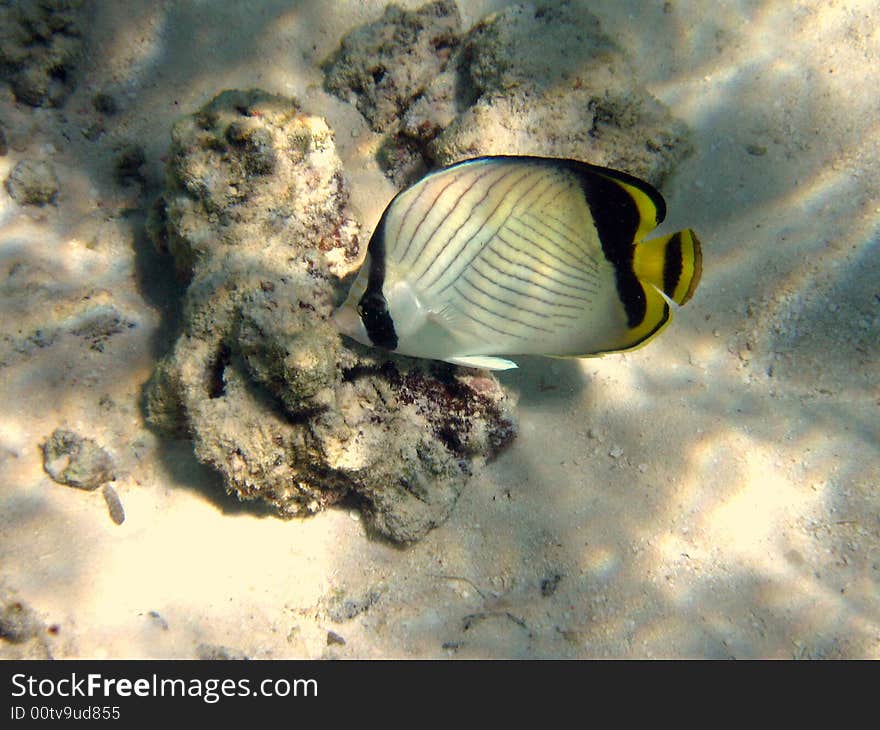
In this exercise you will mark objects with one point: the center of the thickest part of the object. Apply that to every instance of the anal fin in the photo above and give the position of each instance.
(483, 362)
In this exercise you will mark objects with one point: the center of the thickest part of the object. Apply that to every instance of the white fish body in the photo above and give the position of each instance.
(518, 255)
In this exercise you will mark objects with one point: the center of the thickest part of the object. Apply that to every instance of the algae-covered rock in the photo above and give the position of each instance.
(33, 182)
(550, 82)
(22, 633)
(385, 65)
(18, 622)
(255, 214)
(76, 461)
(40, 41)
(533, 79)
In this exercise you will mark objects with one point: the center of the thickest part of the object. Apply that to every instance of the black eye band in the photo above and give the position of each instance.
(373, 307)
(377, 321)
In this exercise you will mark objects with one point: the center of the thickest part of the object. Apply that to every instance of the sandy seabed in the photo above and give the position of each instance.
(712, 495)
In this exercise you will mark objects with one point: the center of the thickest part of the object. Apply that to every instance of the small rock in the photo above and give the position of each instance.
(550, 584)
(615, 452)
(334, 638)
(158, 620)
(17, 622)
(76, 461)
(217, 652)
(114, 505)
(344, 608)
(33, 182)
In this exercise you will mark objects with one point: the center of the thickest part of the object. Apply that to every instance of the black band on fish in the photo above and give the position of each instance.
(673, 265)
(616, 216)
(372, 307)
(374, 313)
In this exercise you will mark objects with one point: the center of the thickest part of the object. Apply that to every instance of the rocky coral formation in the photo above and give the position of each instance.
(536, 78)
(255, 215)
(40, 41)
(387, 64)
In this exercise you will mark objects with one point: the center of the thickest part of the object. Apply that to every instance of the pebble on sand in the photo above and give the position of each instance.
(76, 461)
(33, 182)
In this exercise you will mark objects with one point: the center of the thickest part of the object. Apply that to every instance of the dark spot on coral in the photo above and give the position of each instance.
(129, 163)
(105, 104)
(443, 43)
(218, 368)
(205, 119)
(550, 584)
(387, 370)
(402, 159)
(159, 230)
(214, 144)
(236, 134)
(255, 143)
(446, 402)
(447, 432)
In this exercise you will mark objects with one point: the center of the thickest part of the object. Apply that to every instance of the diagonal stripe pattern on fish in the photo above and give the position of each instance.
(519, 255)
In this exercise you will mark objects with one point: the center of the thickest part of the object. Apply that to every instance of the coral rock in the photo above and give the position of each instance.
(76, 461)
(387, 64)
(40, 41)
(33, 182)
(533, 79)
(256, 215)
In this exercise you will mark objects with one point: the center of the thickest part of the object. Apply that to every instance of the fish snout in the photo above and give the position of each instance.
(347, 320)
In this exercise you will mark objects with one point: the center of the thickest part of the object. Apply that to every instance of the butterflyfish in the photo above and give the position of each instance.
(511, 256)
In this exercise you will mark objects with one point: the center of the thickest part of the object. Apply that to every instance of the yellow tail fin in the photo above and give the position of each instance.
(672, 263)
